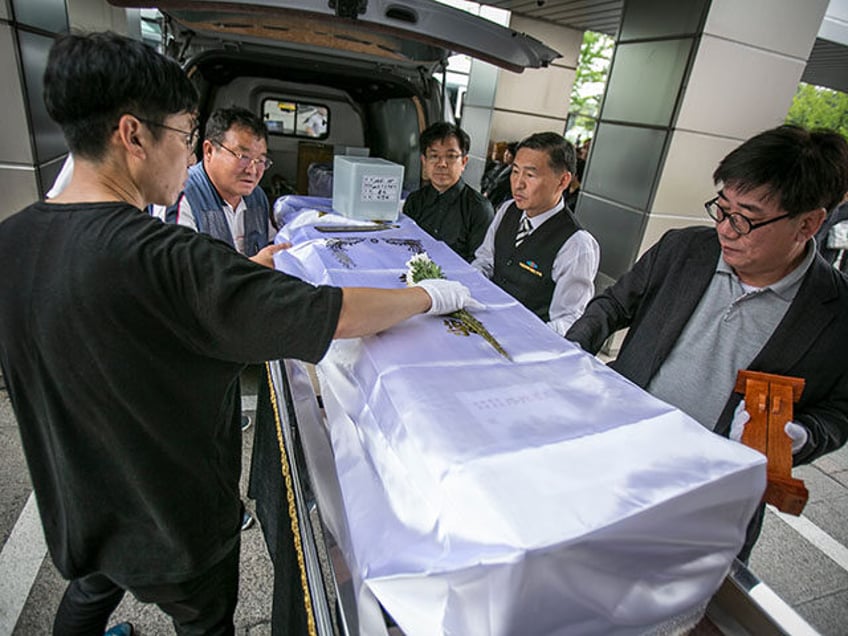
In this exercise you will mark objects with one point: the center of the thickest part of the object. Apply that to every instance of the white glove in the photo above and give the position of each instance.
(798, 434)
(740, 419)
(448, 296)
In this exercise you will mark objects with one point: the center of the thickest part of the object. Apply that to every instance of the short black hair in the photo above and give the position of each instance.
(440, 131)
(93, 79)
(561, 154)
(223, 119)
(804, 170)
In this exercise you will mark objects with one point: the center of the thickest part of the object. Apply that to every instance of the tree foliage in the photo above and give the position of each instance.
(590, 80)
(817, 107)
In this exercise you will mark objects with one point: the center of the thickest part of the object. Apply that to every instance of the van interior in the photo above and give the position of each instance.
(313, 111)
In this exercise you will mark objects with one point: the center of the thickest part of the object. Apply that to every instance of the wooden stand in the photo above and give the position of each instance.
(769, 399)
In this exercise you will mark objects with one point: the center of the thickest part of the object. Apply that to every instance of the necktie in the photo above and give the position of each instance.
(523, 231)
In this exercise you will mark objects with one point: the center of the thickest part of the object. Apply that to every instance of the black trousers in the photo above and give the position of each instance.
(202, 605)
(752, 533)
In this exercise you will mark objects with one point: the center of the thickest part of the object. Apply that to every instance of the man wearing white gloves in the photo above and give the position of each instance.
(123, 339)
(752, 292)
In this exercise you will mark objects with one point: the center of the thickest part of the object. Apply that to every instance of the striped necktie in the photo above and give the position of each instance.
(523, 231)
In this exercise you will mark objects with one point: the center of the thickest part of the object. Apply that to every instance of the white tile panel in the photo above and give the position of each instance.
(4, 9)
(736, 90)
(476, 122)
(686, 179)
(91, 15)
(545, 91)
(482, 84)
(16, 146)
(659, 225)
(508, 126)
(19, 189)
(784, 26)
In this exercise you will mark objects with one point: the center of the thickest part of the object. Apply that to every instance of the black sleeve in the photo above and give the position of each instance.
(827, 424)
(615, 307)
(225, 306)
(412, 206)
(480, 215)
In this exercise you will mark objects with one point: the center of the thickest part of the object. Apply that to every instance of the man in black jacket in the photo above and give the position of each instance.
(447, 208)
(750, 293)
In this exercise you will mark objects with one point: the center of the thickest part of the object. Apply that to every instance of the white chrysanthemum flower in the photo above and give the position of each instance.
(422, 257)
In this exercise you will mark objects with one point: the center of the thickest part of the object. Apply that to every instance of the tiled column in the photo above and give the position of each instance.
(31, 145)
(689, 82)
(505, 106)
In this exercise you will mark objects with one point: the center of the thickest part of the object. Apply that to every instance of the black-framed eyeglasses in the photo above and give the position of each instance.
(740, 223)
(244, 161)
(191, 137)
(451, 157)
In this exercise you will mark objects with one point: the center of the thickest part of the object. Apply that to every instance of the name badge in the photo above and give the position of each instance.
(531, 267)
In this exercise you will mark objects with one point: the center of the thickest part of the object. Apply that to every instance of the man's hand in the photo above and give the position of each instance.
(740, 419)
(448, 296)
(265, 256)
(798, 434)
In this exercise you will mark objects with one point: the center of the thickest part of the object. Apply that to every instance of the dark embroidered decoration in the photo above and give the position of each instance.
(338, 249)
(413, 245)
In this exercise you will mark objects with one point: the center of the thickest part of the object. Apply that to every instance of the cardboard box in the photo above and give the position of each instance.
(367, 188)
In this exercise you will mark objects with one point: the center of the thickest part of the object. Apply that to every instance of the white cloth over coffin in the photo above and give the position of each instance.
(542, 495)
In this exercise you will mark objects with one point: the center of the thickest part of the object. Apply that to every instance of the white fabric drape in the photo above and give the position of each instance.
(541, 495)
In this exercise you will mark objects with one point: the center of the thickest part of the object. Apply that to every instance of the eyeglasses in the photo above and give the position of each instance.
(191, 136)
(261, 163)
(448, 158)
(740, 223)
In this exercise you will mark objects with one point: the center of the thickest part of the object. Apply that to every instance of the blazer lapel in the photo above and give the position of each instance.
(808, 315)
(699, 265)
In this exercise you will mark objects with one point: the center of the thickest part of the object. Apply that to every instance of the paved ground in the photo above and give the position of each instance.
(804, 560)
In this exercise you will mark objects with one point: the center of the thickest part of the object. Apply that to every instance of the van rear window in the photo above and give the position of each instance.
(296, 119)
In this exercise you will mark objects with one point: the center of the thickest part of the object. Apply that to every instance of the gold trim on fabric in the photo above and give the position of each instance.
(292, 508)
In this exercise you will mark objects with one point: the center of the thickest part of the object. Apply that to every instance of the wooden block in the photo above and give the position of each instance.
(796, 383)
(769, 400)
(755, 434)
(787, 495)
(779, 445)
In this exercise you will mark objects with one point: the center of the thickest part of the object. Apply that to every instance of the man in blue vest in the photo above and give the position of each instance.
(221, 197)
(535, 249)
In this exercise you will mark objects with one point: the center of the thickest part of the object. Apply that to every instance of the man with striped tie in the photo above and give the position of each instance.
(535, 249)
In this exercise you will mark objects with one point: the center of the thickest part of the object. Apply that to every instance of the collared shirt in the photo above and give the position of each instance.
(235, 220)
(574, 270)
(459, 216)
(728, 329)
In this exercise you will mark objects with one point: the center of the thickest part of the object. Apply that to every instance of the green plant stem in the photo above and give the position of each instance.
(475, 326)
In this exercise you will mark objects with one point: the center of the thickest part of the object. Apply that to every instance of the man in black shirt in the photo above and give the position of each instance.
(122, 339)
(447, 208)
